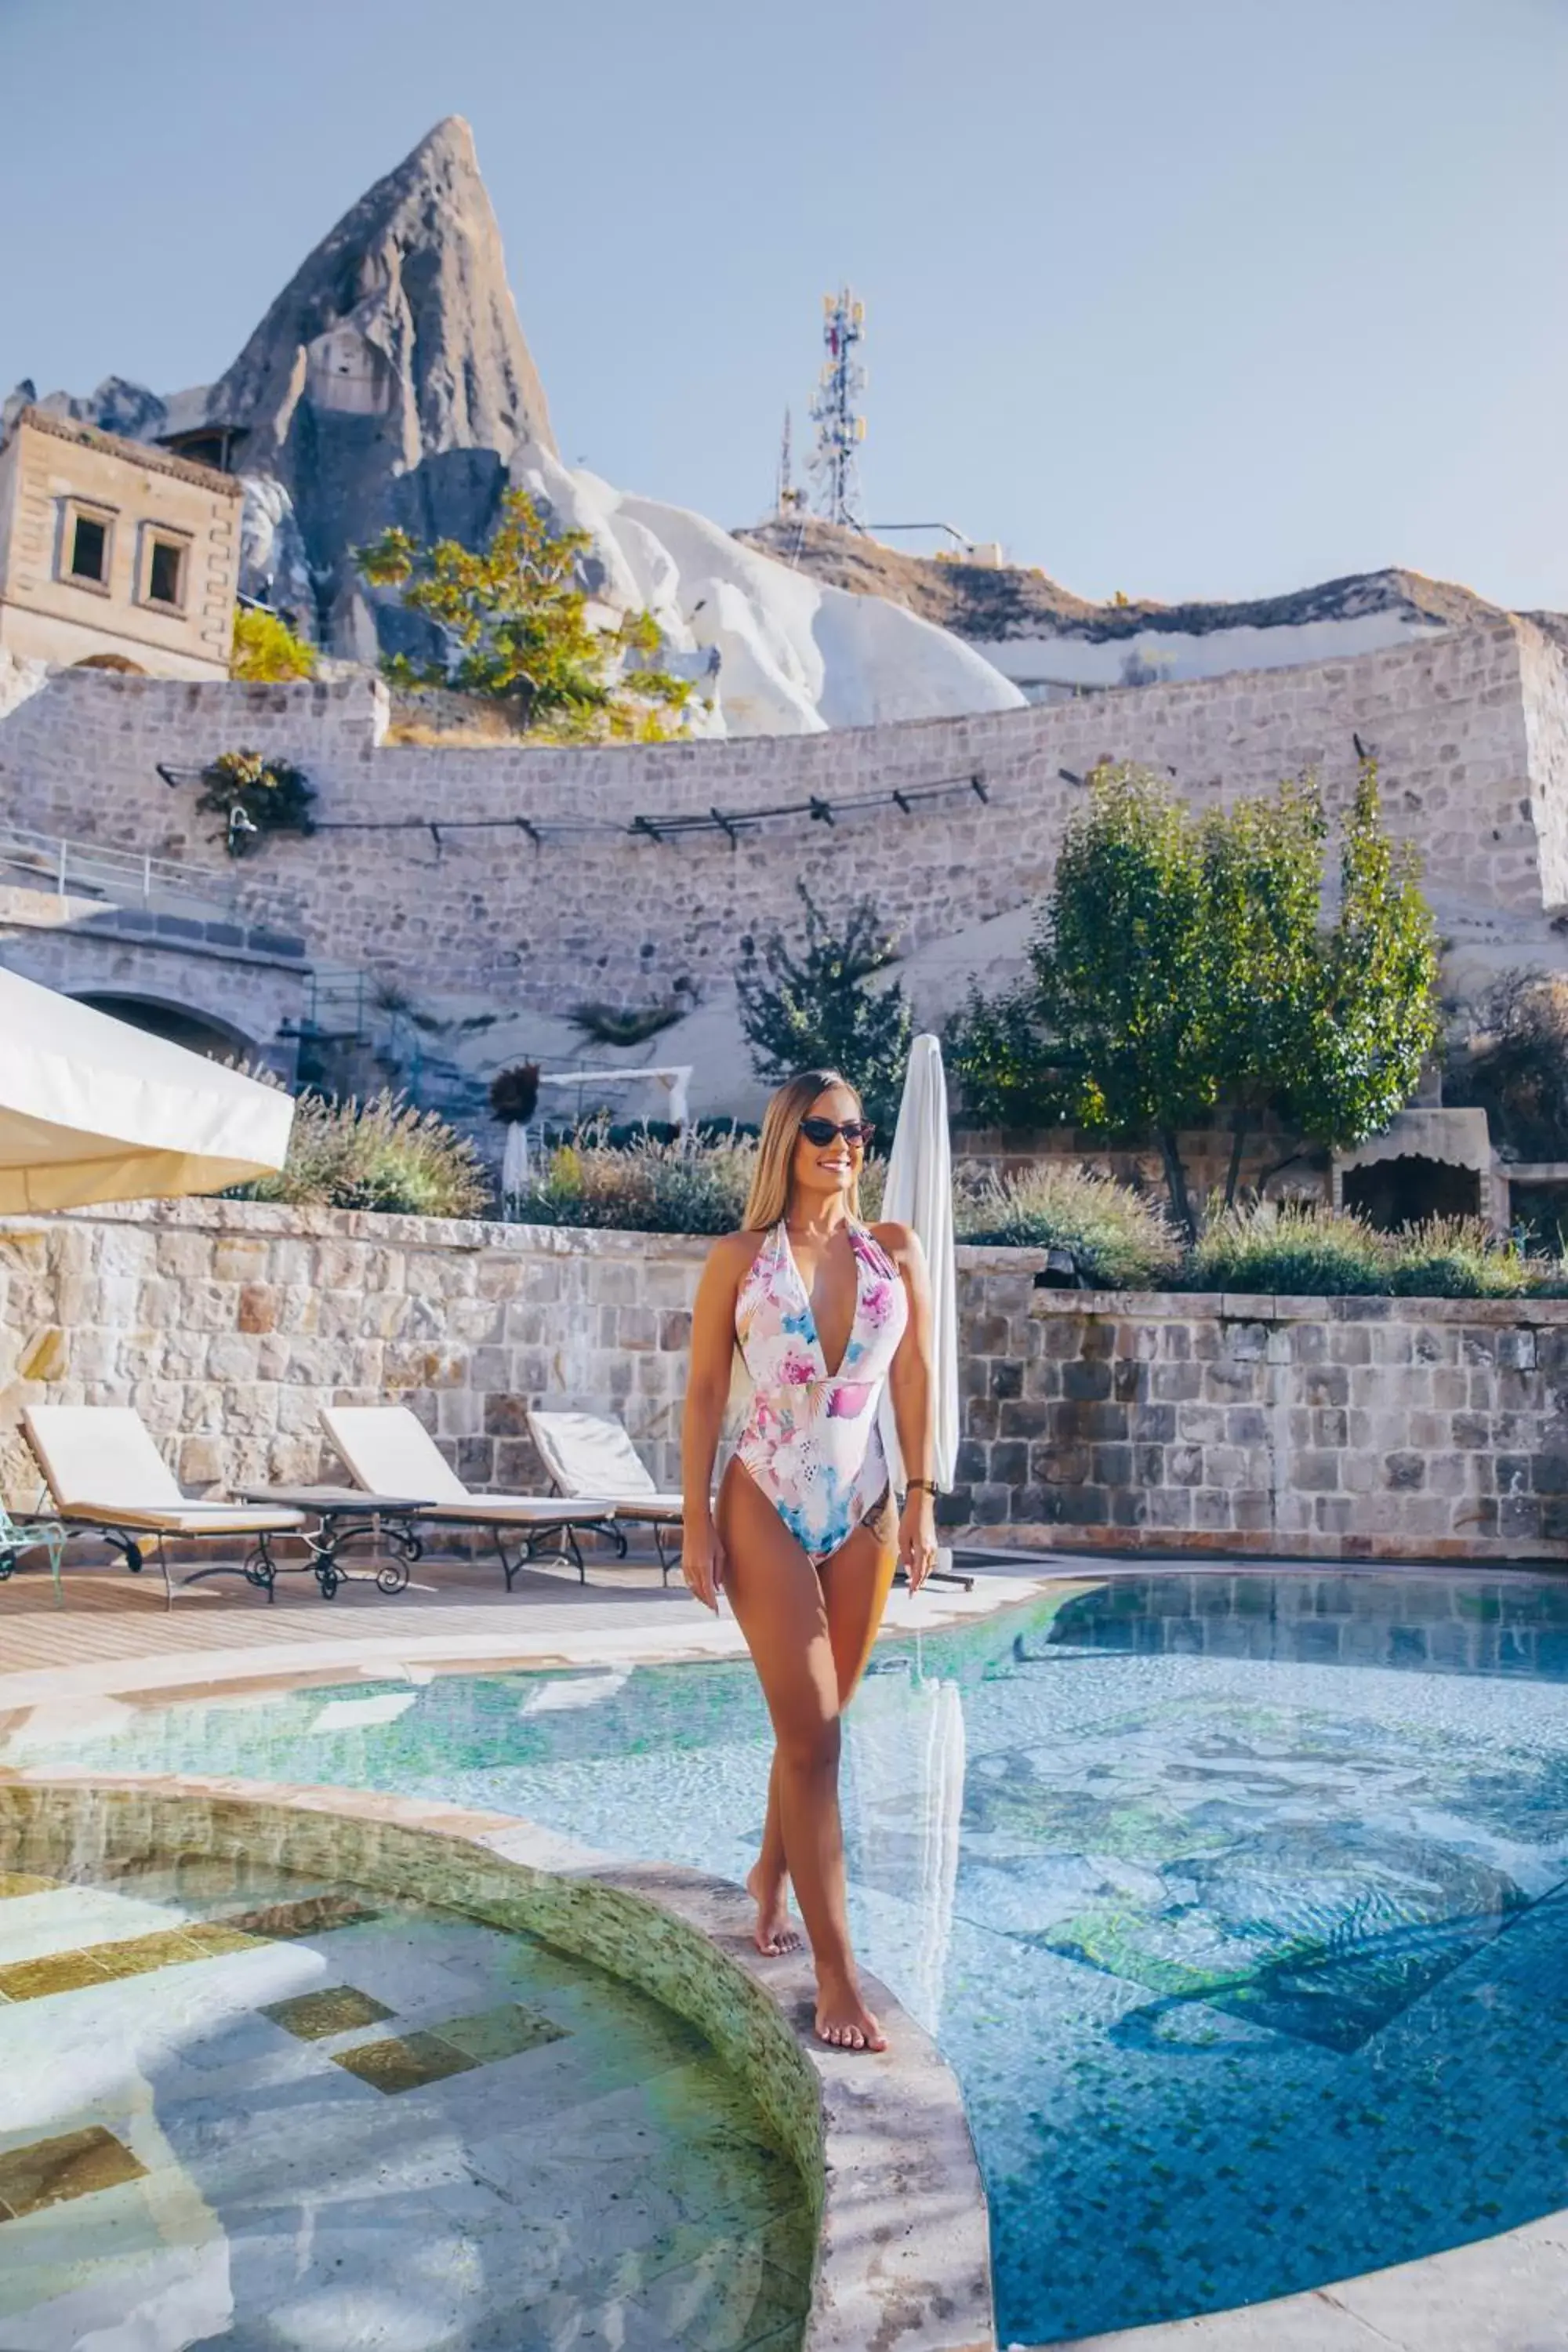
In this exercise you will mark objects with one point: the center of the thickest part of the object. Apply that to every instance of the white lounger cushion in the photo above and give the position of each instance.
(388, 1452)
(99, 1460)
(589, 1453)
(519, 1510)
(190, 1519)
(100, 1454)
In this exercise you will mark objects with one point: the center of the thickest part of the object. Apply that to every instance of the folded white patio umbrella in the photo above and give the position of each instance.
(919, 1193)
(92, 1110)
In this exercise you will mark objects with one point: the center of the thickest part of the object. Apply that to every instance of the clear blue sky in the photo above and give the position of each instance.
(1214, 298)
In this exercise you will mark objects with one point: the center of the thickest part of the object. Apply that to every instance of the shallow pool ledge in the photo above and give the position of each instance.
(903, 2259)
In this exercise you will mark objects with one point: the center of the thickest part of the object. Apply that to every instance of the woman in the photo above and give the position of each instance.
(824, 1309)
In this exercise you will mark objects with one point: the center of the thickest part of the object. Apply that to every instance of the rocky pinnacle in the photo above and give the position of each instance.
(390, 381)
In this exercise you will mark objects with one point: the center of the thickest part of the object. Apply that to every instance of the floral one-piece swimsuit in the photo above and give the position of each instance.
(811, 1440)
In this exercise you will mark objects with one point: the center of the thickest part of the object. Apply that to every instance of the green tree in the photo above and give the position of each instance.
(1120, 969)
(513, 621)
(1183, 963)
(1263, 872)
(1375, 1020)
(805, 1005)
(1011, 1076)
(265, 651)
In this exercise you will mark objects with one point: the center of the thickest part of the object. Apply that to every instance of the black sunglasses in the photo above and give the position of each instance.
(854, 1130)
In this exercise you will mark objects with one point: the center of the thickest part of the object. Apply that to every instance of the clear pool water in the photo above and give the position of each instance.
(1236, 1902)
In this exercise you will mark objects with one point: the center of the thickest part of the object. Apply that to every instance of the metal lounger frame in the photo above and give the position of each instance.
(615, 1529)
(132, 1544)
(535, 1535)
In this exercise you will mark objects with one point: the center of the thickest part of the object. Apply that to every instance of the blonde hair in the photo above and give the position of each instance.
(768, 1199)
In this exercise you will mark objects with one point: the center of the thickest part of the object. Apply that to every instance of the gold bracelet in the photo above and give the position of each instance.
(929, 1485)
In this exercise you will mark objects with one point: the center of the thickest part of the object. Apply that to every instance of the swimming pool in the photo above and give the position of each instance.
(1236, 1901)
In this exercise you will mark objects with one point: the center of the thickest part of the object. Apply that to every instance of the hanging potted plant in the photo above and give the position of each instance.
(514, 1099)
(255, 796)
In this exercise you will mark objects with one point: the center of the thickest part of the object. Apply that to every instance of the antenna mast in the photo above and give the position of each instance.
(840, 426)
(788, 500)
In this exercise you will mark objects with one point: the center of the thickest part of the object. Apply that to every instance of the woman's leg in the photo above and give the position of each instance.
(856, 1582)
(767, 1881)
(779, 1604)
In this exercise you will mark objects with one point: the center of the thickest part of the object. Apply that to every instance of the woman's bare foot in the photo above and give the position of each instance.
(843, 2019)
(775, 1932)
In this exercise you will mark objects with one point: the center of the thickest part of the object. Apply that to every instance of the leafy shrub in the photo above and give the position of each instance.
(873, 1182)
(1180, 964)
(265, 651)
(1290, 1246)
(255, 796)
(1118, 1239)
(1296, 1248)
(513, 623)
(684, 1186)
(377, 1154)
(1460, 1258)
(626, 1135)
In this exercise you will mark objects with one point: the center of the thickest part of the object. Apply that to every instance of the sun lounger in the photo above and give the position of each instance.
(387, 1451)
(104, 1471)
(590, 1454)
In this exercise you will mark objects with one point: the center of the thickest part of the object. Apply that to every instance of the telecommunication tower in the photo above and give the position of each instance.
(835, 464)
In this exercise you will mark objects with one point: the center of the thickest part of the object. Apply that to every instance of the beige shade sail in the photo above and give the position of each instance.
(92, 1110)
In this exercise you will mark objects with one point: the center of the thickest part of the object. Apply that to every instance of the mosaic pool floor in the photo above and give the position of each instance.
(1237, 1903)
(242, 2109)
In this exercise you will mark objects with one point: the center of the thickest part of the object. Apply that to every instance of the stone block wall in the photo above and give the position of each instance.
(229, 1324)
(1332, 1429)
(592, 907)
(1544, 668)
(1336, 1428)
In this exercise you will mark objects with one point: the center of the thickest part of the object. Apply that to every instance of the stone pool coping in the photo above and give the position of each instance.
(903, 2255)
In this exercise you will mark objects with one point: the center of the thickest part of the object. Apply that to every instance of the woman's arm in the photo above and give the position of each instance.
(706, 1395)
(909, 1387)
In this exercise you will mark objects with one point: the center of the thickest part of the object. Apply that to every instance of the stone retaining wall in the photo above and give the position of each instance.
(584, 905)
(1336, 1429)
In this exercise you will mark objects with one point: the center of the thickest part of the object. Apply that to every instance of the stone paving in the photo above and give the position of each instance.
(115, 1635)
